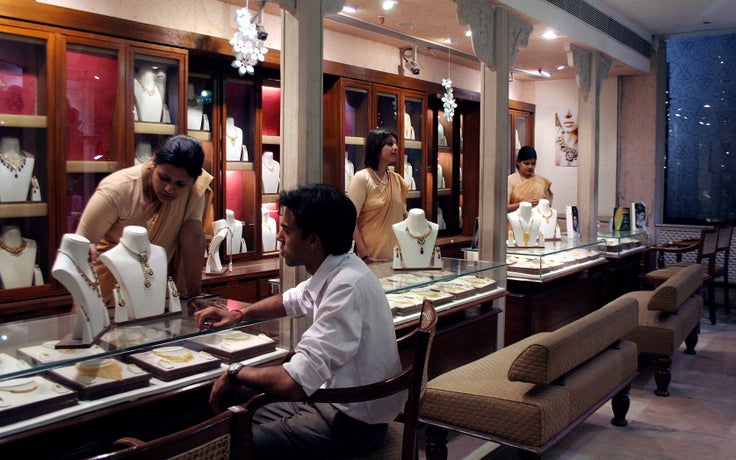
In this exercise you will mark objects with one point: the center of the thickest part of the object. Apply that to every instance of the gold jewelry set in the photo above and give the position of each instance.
(15, 163)
(93, 284)
(546, 217)
(420, 239)
(525, 232)
(148, 273)
(146, 91)
(14, 251)
(271, 169)
(184, 357)
(111, 370)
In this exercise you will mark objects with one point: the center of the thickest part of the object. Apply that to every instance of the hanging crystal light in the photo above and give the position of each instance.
(448, 100)
(248, 41)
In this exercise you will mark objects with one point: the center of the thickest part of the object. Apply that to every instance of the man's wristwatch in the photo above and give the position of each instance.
(232, 372)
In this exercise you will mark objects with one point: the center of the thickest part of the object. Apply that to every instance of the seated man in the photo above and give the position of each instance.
(350, 342)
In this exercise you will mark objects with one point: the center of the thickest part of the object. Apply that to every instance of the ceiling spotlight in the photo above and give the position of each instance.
(411, 61)
(388, 4)
(468, 33)
(549, 35)
(561, 67)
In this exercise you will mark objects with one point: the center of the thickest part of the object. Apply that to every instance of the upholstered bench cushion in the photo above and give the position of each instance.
(479, 397)
(678, 287)
(662, 332)
(552, 355)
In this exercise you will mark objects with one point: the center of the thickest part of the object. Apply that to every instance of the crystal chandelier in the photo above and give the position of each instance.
(248, 41)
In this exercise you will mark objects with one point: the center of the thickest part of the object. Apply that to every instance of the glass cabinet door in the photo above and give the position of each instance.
(448, 173)
(92, 81)
(270, 162)
(356, 126)
(25, 185)
(156, 93)
(414, 160)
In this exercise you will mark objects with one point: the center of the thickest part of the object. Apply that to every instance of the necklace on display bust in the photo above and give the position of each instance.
(271, 168)
(233, 139)
(384, 181)
(145, 266)
(148, 92)
(16, 251)
(93, 284)
(14, 164)
(546, 217)
(525, 231)
(420, 239)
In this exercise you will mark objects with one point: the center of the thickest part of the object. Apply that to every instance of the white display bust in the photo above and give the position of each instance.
(234, 147)
(268, 230)
(349, 171)
(16, 169)
(409, 175)
(149, 100)
(548, 220)
(73, 269)
(235, 242)
(416, 237)
(525, 225)
(143, 152)
(139, 268)
(408, 128)
(194, 109)
(440, 177)
(270, 173)
(221, 232)
(17, 259)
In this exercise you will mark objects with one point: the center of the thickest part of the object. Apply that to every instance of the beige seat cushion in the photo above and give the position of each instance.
(552, 355)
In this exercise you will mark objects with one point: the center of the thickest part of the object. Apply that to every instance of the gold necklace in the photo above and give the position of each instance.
(186, 356)
(273, 166)
(15, 163)
(145, 266)
(146, 91)
(546, 218)
(121, 301)
(110, 370)
(92, 284)
(23, 389)
(421, 239)
(233, 139)
(525, 232)
(16, 251)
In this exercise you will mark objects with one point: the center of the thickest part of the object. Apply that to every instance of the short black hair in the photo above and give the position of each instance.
(526, 153)
(184, 152)
(374, 142)
(322, 210)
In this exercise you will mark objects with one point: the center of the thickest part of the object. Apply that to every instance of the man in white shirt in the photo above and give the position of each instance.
(350, 342)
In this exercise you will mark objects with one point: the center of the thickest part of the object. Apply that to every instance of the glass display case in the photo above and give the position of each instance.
(26, 187)
(414, 163)
(556, 259)
(622, 243)
(129, 361)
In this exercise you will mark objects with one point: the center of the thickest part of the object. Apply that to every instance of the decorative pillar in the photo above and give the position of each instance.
(497, 37)
(591, 68)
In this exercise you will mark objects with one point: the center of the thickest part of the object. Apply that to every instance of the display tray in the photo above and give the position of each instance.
(233, 345)
(404, 303)
(128, 336)
(8, 364)
(437, 297)
(47, 353)
(98, 378)
(28, 397)
(457, 288)
(174, 362)
(479, 283)
(403, 281)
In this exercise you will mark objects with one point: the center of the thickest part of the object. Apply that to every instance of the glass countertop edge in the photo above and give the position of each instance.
(563, 245)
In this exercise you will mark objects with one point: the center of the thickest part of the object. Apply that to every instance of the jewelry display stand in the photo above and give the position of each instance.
(16, 170)
(139, 268)
(549, 230)
(408, 128)
(235, 241)
(234, 345)
(221, 232)
(268, 230)
(270, 173)
(17, 260)
(143, 152)
(440, 177)
(174, 362)
(195, 109)
(149, 100)
(73, 269)
(349, 172)
(525, 225)
(409, 175)
(416, 237)
(235, 150)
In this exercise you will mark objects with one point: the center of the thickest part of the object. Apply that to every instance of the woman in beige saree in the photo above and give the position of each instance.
(379, 196)
(524, 185)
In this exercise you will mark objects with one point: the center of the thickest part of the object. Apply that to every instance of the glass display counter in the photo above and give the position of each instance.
(622, 244)
(556, 259)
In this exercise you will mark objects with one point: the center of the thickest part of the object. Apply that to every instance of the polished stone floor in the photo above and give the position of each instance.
(697, 420)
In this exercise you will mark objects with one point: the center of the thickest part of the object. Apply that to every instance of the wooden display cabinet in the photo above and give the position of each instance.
(521, 129)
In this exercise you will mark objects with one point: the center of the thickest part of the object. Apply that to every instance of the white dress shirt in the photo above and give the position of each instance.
(351, 341)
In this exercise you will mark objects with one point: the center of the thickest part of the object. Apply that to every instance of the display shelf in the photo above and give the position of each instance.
(92, 167)
(22, 121)
(239, 166)
(556, 259)
(275, 140)
(164, 129)
(8, 210)
(622, 244)
(202, 136)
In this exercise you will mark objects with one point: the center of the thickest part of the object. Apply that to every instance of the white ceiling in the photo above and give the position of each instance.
(429, 22)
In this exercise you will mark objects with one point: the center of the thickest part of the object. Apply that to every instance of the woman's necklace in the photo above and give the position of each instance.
(92, 284)
(547, 217)
(145, 266)
(16, 251)
(525, 231)
(421, 239)
(148, 92)
(14, 164)
(384, 181)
